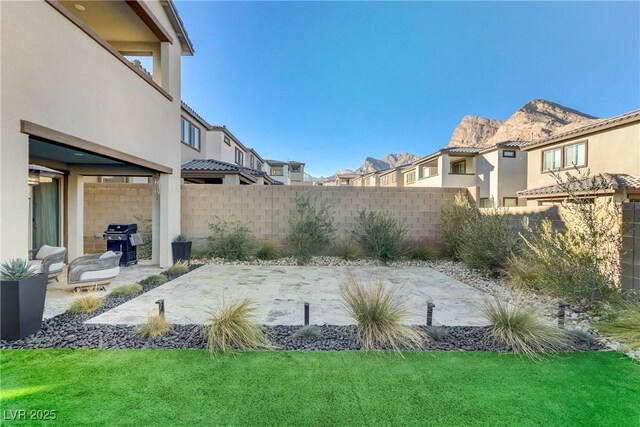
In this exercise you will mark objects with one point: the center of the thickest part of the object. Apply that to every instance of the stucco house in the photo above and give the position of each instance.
(74, 102)
(610, 147)
(211, 154)
(495, 172)
(392, 177)
(343, 179)
(287, 173)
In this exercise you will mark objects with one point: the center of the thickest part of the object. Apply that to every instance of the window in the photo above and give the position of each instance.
(410, 177)
(575, 155)
(551, 159)
(509, 153)
(239, 157)
(227, 140)
(295, 168)
(252, 162)
(394, 177)
(385, 180)
(459, 168)
(259, 166)
(276, 171)
(190, 134)
(509, 202)
(486, 202)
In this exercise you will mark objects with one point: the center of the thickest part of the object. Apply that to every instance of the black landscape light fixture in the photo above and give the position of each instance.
(306, 314)
(561, 313)
(160, 303)
(430, 306)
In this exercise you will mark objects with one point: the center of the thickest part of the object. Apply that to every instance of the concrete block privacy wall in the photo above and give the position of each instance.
(105, 204)
(266, 209)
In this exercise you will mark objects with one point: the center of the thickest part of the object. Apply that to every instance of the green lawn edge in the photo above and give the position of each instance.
(186, 387)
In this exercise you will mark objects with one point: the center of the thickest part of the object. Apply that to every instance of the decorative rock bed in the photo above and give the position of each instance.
(70, 331)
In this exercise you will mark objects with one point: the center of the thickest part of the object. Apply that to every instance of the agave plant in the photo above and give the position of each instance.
(17, 269)
(180, 238)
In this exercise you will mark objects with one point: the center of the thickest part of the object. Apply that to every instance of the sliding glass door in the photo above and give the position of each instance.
(46, 214)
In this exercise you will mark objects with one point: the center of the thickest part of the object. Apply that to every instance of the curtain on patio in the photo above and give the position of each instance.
(45, 214)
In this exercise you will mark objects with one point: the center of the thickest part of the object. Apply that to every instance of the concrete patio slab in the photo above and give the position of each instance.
(280, 293)
(60, 295)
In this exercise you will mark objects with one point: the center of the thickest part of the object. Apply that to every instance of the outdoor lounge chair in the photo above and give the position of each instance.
(49, 260)
(94, 271)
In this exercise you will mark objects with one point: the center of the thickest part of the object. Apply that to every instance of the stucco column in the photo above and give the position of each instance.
(231, 179)
(75, 215)
(169, 217)
(14, 193)
(165, 57)
(155, 224)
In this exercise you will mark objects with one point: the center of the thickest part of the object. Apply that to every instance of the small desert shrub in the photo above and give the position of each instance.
(232, 327)
(578, 335)
(268, 251)
(518, 326)
(180, 267)
(437, 333)
(308, 332)
(522, 272)
(348, 250)
(126, 290)
(233, 241)
(625, 328)
(380, 315)
(381, 235)
(452, 220)
(145, 229)
(85, 304)
(199, 254)
(420, 251)
(487, 241)
(312, 228)
(154, 327)
(154, 278)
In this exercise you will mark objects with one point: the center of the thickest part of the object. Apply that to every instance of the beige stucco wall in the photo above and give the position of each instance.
(613, 151)
(54, 75)
(499, 177)
(266, 209)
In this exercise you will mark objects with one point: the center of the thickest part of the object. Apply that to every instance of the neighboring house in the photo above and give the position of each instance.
(287, 173)
(498, 172)
(73, 102)
(345, 179)
(392, 177)
(211, 154)
(610, 147)
(371, 179)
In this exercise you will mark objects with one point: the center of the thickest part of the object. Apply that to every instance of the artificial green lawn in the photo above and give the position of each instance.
(185, 387)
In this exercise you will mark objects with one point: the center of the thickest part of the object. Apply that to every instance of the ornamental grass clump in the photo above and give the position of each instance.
(155, 326)
(348, 250)
(518, 326)
(312, 228)
(308, 332)
(625, 327)
(126, 290)
(381, 316)
(268, 251)
(85, 304)
(154, 278)
(179, 268)
(381, 235)
(233, 327)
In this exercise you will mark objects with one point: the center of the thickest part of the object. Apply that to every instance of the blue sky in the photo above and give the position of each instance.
(332, 83)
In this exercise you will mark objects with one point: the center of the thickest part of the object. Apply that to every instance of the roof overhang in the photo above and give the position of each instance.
(178, 27)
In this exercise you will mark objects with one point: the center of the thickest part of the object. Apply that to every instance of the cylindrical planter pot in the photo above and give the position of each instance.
(22, 306)
(181, 251)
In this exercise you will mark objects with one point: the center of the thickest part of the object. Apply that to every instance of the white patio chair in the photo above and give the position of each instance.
(94, 271)
(49, 260)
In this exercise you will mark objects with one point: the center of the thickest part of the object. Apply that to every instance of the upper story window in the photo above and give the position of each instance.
(227, 140)
(385, 180)
(552, 159)
(459, 168)
(509, 153)
(190, 134)
(259, 166)
(252, 162)
(394, 177)
(276, 171)
(239, 157)
(410, 178)
(575, 155)
(295, 168)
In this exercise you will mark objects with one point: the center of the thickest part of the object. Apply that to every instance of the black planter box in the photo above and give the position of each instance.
(22, 306)
(181, 251)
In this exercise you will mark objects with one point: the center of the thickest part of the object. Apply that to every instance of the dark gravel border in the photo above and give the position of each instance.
(70, 331)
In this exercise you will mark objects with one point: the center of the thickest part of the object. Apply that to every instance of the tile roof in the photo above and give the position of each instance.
(210, 165)
(612, 181)
(612, 121)
(191, 111)
(461, 150)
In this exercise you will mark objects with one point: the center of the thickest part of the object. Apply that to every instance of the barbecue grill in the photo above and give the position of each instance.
(124, 238)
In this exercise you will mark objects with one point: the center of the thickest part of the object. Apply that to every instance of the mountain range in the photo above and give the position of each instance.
(536, 119)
